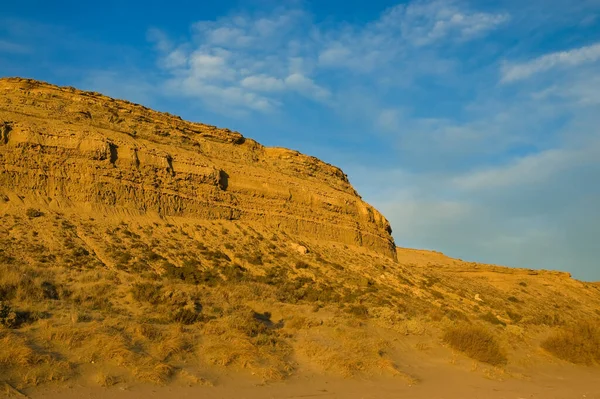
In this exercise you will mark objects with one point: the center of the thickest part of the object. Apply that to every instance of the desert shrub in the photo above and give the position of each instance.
(186, 316)
(79, 252)
(11, 318)
(436, 314)
(436, 294)
(25, 363)
(430, 281)
(274, 276)
(191, 274)
(515, 317)
(305, 289)
(33, 213)
(8, 318)
(255, 259)
(550, 320)
(358, 311)
(49, 290)
(347, 351)
(578, 343)
(106, 380)
(95, 297)
(217, 256)
(234, 273)
(336, 266)
(248, 322)
(122, 258)
(147, 292)
(153, 256)
(454, 315)
(131, 234)
(302, 265)
(476, 342)
(491, 318)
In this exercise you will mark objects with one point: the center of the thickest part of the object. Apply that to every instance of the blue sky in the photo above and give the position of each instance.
(474, 126)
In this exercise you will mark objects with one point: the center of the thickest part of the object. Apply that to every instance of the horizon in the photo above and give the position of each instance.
(469, 125)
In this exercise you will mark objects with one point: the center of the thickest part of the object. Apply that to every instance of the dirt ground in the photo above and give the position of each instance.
(437, 382)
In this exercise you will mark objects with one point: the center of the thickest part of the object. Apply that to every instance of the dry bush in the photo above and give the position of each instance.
(147, 292)
(346, 351)
(174, 342)
(492, 319)
(578, 344)
(246, 340)
(263, 356)
(476, 342)
(299, 322)
(149, 370)
(33, 213)
(106, 380)
(24, 363)
(8, 318)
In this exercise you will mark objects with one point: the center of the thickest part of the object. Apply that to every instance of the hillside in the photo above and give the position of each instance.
(136, 248)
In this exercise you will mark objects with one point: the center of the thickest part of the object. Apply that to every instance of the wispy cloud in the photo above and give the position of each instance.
(242, 61)
(571, 58)
(424, 23)
(253, 61)
(10, 47)
(401, 30)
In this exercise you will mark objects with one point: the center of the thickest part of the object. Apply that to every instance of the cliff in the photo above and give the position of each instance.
(70, 148)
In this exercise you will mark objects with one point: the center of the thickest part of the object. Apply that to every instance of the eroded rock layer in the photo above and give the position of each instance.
(71, 148)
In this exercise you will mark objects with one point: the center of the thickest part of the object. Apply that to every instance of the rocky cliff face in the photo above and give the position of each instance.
(69, 148)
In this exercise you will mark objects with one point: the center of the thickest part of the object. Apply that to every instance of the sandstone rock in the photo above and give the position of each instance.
(301, 249)
(80, 148)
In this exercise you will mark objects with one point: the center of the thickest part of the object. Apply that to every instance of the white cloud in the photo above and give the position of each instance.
(245, 62)
(570, 58)
(306, 86)
(227, 98)
(424, 23)
(160, 39)
(207, 66)
(265, 56)
(403, 29)
(533, 169)
(263, 83)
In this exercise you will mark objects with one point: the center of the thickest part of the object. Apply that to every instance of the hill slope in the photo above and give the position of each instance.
(135, 246)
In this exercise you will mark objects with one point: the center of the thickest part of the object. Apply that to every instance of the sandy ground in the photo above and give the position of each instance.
(448, 382)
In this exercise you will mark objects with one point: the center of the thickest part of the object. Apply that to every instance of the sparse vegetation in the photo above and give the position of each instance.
(515, 317)
(147, 292)
(579, 343)
(159, 298)
(8, 318)
(476, 342)
(491, 318)
(33, 213)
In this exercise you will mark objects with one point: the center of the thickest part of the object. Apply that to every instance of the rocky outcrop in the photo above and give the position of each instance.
(83, 148)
